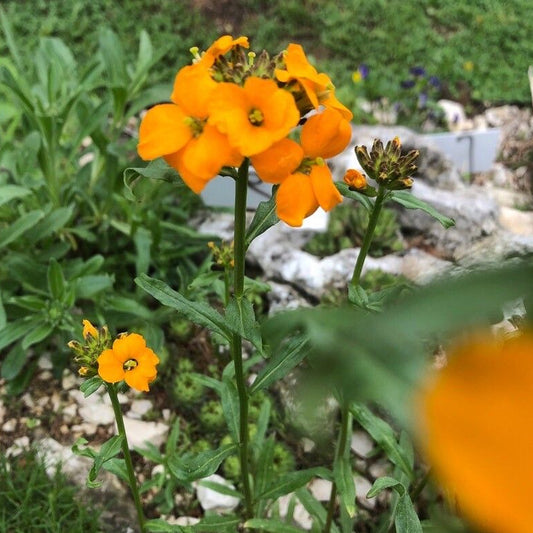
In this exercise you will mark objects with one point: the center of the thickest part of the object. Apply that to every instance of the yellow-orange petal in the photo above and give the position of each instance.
(110, 367)
(477, 431)
(195, 183)
(325, 134)
(331, 102)
(192, 90)
(206, 154)
(325, 192)
(354, 178)
(221, 46)
(129, 346)
(295, 199)
(163, 131)
(89, 329)
(278, 161)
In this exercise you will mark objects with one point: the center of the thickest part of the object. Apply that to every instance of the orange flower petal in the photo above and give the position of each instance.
(325, 134)
(163, 131)
(128, 346)
(195, 183)
(89, 329)
(324, 189)
(110, 367)
(278, 161)
(192, 90)
(295, 199)
(478, 434)
(206, 154)
(221, 46)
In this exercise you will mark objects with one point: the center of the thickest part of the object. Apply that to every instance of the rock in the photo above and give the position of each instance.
(421, 267)
(474, 211)
(283, 298)
(501, 176)
(516, 221)
(320, 489)
(362, 486)
(10, 425)
(19, 446)
(93, 409)
(362, 444)
(454, 115)
(139, 408)
(140, 432)
(69, 381)
(210, 500)
(300, 516)
(44, 362)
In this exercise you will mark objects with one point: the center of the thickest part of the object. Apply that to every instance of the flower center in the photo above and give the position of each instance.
(130, 364)
(196, 125)
(256, 117)
(307, 164)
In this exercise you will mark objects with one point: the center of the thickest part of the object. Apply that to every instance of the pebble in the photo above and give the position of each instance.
(140, 432)
(362, 444)
(211, 500)
(320, 489)
(10, 425)
(139, 408)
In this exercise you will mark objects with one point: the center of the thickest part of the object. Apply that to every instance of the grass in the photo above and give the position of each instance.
(31, 501)
(389, 36)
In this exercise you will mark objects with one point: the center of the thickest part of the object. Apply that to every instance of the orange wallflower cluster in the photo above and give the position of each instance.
(478, 431)
(232, 104)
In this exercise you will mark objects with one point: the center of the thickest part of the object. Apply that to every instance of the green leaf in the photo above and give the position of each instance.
(217, 524)
(41, 332)
(156, 170)
(51, 223)
(280, 364)
(406, 199)
(230, 407)
(3, 316)
(113, 57)
(9, 192)
(56, 280)
(198, 313)
(13, 362)
(383, 483)
(240, 318)
(384, 435)
(202, 465)
(271, 525)
(91, 385)
(15, 330)
(264, 471)
(158, 525)
(365, 201)
(345, 484)
(143, 242)
(86, 287)
(314, 507)
(19, 227)
(406, 520)
(265, 217)
(108, 450)
(292, 481)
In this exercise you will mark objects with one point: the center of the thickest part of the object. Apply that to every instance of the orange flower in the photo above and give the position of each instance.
(180, 132)
(129, 359)
(254, 116)
(478, 433)
(317, 86)
(306, 181)
(354, 178)
(221, 46)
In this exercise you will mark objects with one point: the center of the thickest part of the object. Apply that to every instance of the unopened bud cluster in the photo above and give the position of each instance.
(95, 341)
(223, 254)
(386, 165)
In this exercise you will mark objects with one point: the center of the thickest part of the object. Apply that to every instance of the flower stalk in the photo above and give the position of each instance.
(112, 391)
(241, 189)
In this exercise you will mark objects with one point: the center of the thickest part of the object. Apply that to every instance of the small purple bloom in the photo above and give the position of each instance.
(363, 70)
(407, 84)
(422, 100)
(434, 82)
(417, 71)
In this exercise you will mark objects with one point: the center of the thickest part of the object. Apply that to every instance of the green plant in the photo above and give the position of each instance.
(30, 499)
(346, 229)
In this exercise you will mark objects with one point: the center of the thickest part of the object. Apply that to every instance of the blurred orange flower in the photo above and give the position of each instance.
(304, 177)
(478, 431)
(254, 116)
(89, 330)
(180, 131)
(129, 359)
(221, 46)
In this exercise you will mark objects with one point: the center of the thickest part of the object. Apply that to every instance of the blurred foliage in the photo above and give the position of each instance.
(347, 227)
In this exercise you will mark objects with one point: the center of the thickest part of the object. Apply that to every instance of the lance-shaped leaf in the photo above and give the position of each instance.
(265, 217)
(240, 318)
(406, 199)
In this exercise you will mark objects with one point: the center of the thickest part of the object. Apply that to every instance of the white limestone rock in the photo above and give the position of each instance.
(211, 500)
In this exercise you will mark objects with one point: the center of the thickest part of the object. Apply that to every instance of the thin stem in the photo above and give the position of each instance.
(112, 391)
(367, 241)
(241, 189)
(342, 450)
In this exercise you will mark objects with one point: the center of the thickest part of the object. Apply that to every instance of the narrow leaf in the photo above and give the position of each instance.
(383, 483)
(354, 195)
(409, 201)
(406, 520)
(41, 332)
(56, 280)
(240, 318)
(13, 362)
(9, 192)
(345, 485)
(19, 227)
(265, 217)
(292, 481)
(271, 525)
(199, 313)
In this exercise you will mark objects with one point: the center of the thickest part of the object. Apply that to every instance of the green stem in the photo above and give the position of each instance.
(241, 189)
(112, 391)
(367, 241)
(341, 451)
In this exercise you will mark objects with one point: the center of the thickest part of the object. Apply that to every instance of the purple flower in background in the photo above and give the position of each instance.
(407, 84)
(363, 69)
(417, 71)
(434, 82)
(422, 100)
